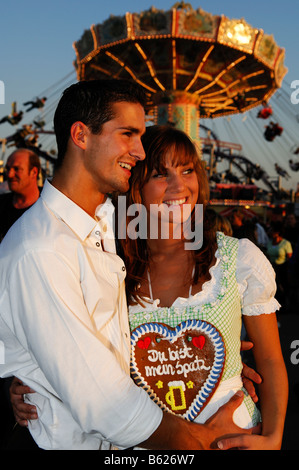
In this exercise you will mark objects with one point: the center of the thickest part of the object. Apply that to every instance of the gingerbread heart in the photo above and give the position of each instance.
(179, 367)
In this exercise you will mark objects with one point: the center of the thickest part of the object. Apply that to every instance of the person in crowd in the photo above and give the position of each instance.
(22, 172)
(262, 236)
(70, 341)
(279, 252)
(221, 224)
(215, 280)
(249, 231)
(236, 220)
(291, 229)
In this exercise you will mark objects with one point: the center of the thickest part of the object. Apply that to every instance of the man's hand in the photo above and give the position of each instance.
(175, 433)
(22, 411)
(221, 425)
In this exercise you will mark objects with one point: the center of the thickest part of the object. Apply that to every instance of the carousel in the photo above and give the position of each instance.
(197, 69)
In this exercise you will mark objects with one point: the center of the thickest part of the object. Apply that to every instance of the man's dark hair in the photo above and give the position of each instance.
(91, 103)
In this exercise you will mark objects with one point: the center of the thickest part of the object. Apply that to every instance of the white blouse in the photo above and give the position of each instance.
(255, 278)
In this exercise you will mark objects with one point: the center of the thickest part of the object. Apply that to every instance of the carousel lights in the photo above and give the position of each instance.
(100, 69)
(252, 88)
(174, 21)
(223, 72)
(129, 25)
(120, 62)
(174, 83)
(149, 65)
(200, 67)
(240, 203)
(239, 34)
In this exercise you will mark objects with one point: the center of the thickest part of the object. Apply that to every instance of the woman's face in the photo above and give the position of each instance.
(175, 188)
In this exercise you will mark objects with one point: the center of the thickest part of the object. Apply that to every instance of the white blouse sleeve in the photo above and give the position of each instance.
(256, 280)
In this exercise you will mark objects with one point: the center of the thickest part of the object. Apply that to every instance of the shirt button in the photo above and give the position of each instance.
(123, 268)
(97, 232)
(98, 244)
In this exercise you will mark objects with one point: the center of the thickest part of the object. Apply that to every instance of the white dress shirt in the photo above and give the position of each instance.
(64, 325)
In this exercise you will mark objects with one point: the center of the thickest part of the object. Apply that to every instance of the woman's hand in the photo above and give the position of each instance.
(22, 411)
(249, 375)
(250, 442)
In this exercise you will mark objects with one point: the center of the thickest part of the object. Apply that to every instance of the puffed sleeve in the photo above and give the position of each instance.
(256, 280)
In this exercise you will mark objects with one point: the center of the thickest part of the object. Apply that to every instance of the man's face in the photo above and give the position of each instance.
(110, 155)
(19, 177)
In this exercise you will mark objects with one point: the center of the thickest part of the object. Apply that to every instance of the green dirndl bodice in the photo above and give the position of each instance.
(224, 312)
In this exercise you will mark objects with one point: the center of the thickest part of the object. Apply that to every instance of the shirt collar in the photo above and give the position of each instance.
(75, 217)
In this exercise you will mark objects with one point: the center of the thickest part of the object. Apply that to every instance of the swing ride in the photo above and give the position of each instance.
(194, 66)
(198, 70)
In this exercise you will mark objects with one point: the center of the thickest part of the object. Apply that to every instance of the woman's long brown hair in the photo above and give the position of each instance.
(157, 142)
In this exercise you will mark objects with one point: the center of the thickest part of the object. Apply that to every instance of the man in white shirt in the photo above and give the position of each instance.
(63, 313)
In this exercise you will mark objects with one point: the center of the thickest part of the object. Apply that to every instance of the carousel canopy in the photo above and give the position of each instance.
(224, 66)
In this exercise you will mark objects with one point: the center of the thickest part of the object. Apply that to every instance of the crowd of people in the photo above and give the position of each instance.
(279, 241)
(68, 341)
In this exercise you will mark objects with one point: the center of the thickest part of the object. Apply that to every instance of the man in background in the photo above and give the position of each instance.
(22, 172)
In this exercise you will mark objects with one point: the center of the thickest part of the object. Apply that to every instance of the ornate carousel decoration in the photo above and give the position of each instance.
(191, 63)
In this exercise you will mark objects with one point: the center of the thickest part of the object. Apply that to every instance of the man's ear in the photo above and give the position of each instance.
(34, 171)
(78, 134)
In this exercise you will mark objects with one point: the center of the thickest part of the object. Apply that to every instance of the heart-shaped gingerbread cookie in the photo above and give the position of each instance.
(179, 367)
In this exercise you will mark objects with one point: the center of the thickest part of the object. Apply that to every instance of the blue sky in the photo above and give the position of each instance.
(36, 37)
